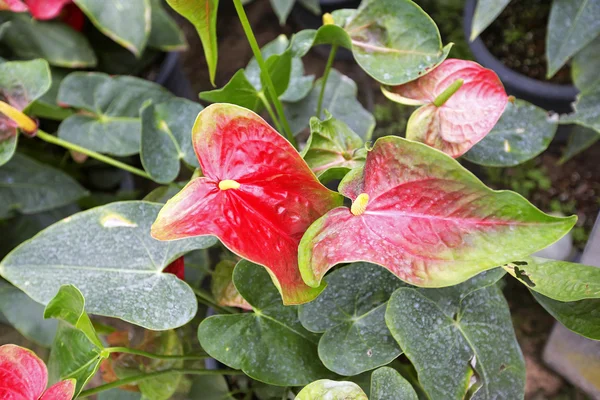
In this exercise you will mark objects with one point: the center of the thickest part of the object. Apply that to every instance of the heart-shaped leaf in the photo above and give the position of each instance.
(245, 197)
(462, 101)
(165, 33)
(28, 187)
(419, 213)
(523, 132)
(572, 25)
(223, 289)
(339, 100)
(586, 109)
(585, 66)
(447, 335)
(127, 23)
(203, 15)
(485, 13)
(270, 344)
(108, 244)
(559, 280)
(333, 149)
(351, 313)
(238, 91)
(109, 120)
(166, 138)
(333, 390)
(387, 383)
(582, 317)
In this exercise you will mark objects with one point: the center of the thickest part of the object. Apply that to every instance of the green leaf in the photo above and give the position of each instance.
(351, 313)
(394, 41)
(69, 306)
(203, 15)
(165, 34)
(238, 91)
(580, 139)
(47, 106)
(126, 22)
(7, 150)
(304, 40)
(163, 193)
(110, 122)
(460, 339)
(582, 317)
(25, 315)
(523, 132)
(119, 394)
(222, 287)
(585, 66)
(573, 25)
(109, 246)
(53, 41)
(282, 8)
(332, 149)
(559, 280)
(332, 390)
(485, 13)
(167, 139)
(269, 344)
(29, 187)
(339, 99)
(586, 110)
(208, 387)
(387, 383)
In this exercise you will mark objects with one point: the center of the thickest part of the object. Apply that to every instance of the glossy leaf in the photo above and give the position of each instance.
(269, 344)
(332, 390)
(586, 110)
(203, 15)
(53, 41)
(166, 138)
(425, 218)
(522, 133)
(108, 244)
(47, 106)
(460, 339)
(28, 187)
(485, 13)
(244, 197)
(580, 139)
(127, 23)
(582, 317)
(238, 91)
(111, 121)
(223, 289)
(351, 313)
(46, 9)
(572, 25)
(585, 66)
(387, 383)
(394, 41)
(25, 315)
(461, 120)
(333, 149)
(339, 100)
(282, 8)
(165, 34)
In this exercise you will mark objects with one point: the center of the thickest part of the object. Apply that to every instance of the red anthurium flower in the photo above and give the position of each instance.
(177, 268)
(13, 5)
(461, 102)
(420, 214)
(23, 376)
(257, 196)
(46, 9)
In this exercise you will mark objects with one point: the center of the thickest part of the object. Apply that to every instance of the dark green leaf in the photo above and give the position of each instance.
(47, 105)
(387, 384)
(523, 132)
(282, 8)
(585, 66)
(165, 34)
(163, 193)
(269, 344)
(207, 387)
(8, 147)
(580, 139)
(351, 313)
(485, 13)
(238, 91)
(586, 110)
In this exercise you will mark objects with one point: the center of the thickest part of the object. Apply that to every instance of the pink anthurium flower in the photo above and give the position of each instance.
(421, 215)
(23, 376)
(13, 5)
(460, 103)
(46, 9)
(257, 195)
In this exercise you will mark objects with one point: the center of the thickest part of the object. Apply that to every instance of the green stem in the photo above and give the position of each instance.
(325, 77)
(209, 301)
(155, 356)
(267, 105)
(143, 377)
(71, 146)
(446, 94)
(264, 70)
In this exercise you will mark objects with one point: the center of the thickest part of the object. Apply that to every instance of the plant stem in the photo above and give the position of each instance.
(264, 70)
(267, 105)
(143, 377)
(325, 77)
(155, 356)
(207, 299)
(71, 146)
(446, 94)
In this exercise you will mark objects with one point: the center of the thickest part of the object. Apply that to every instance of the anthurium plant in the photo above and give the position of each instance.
(326, 265)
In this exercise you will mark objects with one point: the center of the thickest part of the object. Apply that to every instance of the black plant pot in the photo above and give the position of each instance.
(172, 77)
(550, 96)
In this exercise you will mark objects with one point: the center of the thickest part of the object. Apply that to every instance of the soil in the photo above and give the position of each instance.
(576, 183)
(518, 39)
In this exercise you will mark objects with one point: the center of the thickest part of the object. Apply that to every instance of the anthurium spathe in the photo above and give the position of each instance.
(420, 214)
(23, 376)
(13, 5)
(460, 103)
(46, 9)
(257, 195)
